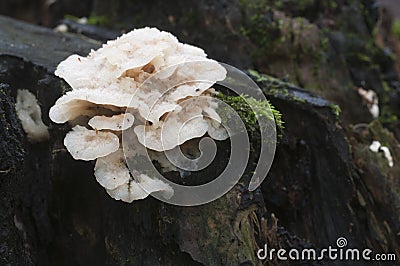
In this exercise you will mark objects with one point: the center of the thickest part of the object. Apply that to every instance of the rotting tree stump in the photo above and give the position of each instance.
(54, 212)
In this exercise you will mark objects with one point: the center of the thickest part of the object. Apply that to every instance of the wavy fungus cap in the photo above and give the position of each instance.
(115, 122)
(85, 144)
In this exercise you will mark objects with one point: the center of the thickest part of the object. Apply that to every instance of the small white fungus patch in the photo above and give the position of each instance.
(376, 146)
(370, 98)
(61, 28)
(30, 115)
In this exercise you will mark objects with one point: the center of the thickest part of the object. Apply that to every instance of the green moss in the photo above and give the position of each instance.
(396, 28)
(324, 41)
(335, 109)
(274, 86)
(363, 58)
(103, 21)
(387, 112)
(260, 27)
(71, 17)
(250, 110)
(387, 116)
(262, 77)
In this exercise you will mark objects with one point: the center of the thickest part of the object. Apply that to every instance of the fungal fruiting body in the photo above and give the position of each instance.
(376, 147)
(147, 82)
(371, 100)
(30, 115)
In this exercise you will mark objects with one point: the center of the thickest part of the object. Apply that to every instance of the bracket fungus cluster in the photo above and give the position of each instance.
(147, 82)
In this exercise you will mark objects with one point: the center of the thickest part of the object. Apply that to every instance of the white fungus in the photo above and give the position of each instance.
(142, 71)
(216, 130)
(28, 111)
(134, 190)
(376, 146)
(61, 28)
(86, 102)
(370, 98)
(116, 122)
(111, 171)
(388, 155)
(85, 144)
(177, 128)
